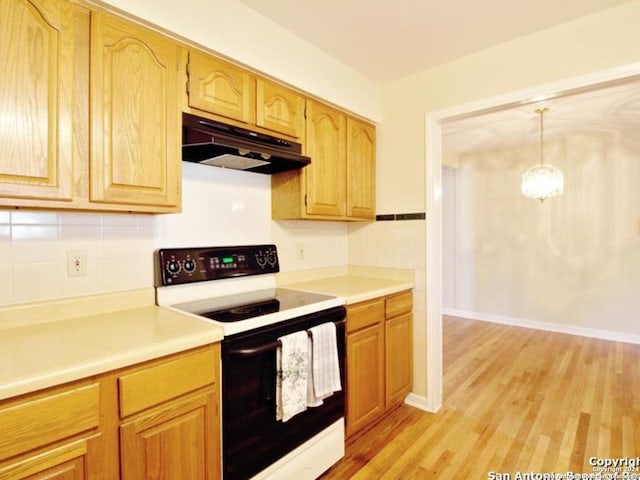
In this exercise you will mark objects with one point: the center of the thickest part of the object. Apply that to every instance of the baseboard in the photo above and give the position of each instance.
(550, 327)
(421, 402)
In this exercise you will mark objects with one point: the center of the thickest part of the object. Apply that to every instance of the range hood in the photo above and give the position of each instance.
(214, 143)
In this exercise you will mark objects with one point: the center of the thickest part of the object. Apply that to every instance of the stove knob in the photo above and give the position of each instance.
(189, 266)
(261, 259)
(272, 257)
(173, 267)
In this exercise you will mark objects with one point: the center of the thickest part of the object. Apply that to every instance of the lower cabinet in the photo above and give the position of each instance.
(70, 470)
(157, 420)
(398, 329)
(365, 364)
(171, 427)
(379, 358)
(52, 434)
(173, 443)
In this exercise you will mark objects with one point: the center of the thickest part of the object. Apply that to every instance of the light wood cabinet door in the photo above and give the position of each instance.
(220, 88)
(398, 359)
(52, 435)
(177, 441)
(36, 99)
(365, 376)
(68, 462)
(361, 170)
(325, 176)
(135, 123)
(279, 109)
(379, 357)
(70, 470)
(339, 184)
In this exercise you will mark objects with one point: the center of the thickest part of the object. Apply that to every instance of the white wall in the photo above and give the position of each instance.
(449, 236)
(234, 30)
(573, 260)
(219, 207)
(604, 40)
(309, 244)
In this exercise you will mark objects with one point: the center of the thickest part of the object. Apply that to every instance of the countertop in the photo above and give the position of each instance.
(76, 341)
(352, 283)
(50, 343)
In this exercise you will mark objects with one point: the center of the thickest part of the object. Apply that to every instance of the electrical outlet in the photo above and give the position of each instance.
(300, 251)
(76, 263)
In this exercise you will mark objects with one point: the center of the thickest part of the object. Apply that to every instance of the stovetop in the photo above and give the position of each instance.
(249, 310)
(233, 287)
(234, 308)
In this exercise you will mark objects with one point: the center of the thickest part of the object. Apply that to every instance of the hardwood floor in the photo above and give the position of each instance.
(515, 400)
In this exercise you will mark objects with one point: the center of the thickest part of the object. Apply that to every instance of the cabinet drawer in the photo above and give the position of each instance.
(30, 423)
(364, 314)
(398, 304)
(167, 379)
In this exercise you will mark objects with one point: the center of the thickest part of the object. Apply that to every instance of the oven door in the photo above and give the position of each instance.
(252, 439)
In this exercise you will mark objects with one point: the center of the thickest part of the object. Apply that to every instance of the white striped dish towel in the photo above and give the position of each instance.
(292, 360)
(325, 367)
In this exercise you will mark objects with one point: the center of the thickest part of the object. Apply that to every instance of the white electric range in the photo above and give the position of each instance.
(234, 287)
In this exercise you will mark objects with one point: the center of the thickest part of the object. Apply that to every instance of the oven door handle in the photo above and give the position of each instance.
(250, 352)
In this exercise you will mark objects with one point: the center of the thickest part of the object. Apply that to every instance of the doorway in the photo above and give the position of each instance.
(434, 183)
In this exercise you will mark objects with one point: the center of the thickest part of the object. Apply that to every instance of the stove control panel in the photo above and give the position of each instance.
(175, 266)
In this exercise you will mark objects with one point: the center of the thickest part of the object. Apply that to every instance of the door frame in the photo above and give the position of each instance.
(433, 191)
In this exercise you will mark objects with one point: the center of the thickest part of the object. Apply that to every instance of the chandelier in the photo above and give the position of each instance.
(542, 181)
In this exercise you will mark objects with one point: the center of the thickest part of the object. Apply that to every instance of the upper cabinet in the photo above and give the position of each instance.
(235, 94)
(135, 121)
(361, 170)
(339, 184)
(279, 109)
(36, 99)
(325, 177)
(91, 119)
(90, 111)
(220, 88)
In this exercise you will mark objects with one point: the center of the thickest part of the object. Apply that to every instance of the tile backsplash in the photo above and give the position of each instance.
(219, 207)
(308, 244)
(34, 246)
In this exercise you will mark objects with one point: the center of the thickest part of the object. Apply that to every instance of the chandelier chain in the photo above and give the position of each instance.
(541, 136)
(541, 112)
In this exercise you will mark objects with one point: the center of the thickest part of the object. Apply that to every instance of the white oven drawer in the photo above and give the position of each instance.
(311, 459)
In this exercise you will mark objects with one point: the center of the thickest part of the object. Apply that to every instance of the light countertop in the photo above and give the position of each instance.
(353, 284)
(38, 354)
(50, 343)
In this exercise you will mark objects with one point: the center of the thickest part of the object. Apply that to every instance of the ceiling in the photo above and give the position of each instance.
(389, 39)
(605, 109)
